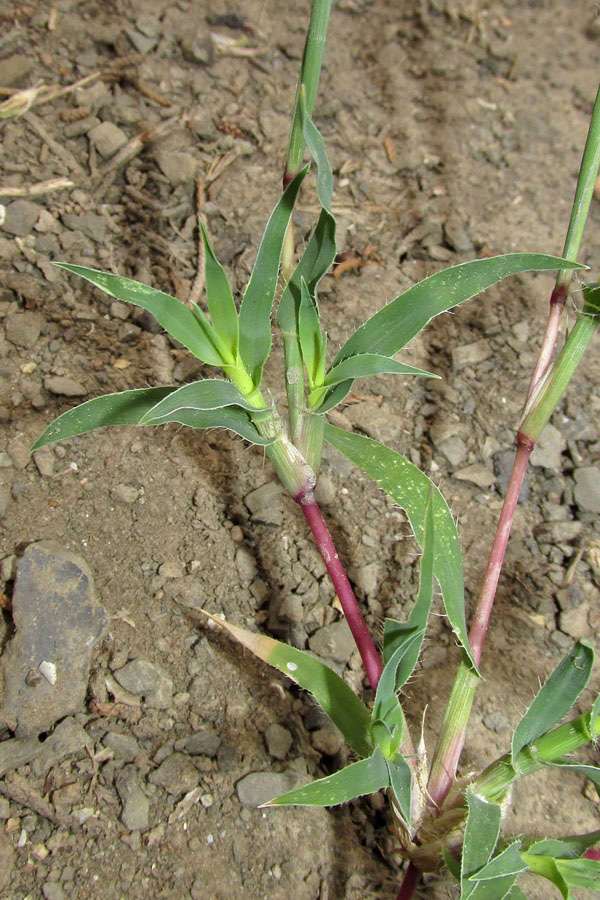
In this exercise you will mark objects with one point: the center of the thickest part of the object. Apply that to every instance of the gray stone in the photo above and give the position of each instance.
(14, 69)
(23, 328)
(471, 354)
(44, 460)
(136, 806)
(476, 474)
(143, 678)
(15, 753)
(58, 623)
(325, 491)
(575, 621)
(587, 488)
(455, 450)
(333, 642)
(18, 450)
(198, 48)
(177, 165)
(123, 746)
(561, 640)
(557, 532)
(259, 787)
(64, 386)
(7, 860)
(177, 774)
(125, 493)
(267, 495)
(202, 743)
(4, 499)
(278, 740)
(548, 451)
(53, 891)
(90, 224)
(107, 138)
(328, 740)
(20, 218)
(141, 42)
(457, 235)
(245, 565)
(495, 721)
(120, 310)
(67, 739)
(291, 609)
(379, 422)
(366, 578)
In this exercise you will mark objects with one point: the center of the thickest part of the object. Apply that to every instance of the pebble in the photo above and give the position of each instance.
(292, 609)
(548, 451)
(267, 495)
(14, 69)
(561, 640)
(325, 491)
(21, 217)
(125, 493)
(198, 48)
(15, 753)
(176, 774)
(476, 474)
(124, 746)
(454, 449)
(64, 386)
(328, 740)
(334, 642)
(457, 235)
(23, 328)
(141, 42)
(53, 891)
(366, 578)
(136, 806)
(202, 743)
(143, 678)
(107, 138)
(378, 422)
(18, 451)
(587, 488)
(557, 531)
(495, 721)
(44, 460)
(278, 740)
(245, 565)
(471, 354)
(575, 621)
(4, 499)
(178, 166)
(58, 621)
(120, 310)
(89, 224)
(257, 788)
(67, 739)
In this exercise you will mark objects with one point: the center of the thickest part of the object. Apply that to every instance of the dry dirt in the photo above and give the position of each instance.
(455, 129)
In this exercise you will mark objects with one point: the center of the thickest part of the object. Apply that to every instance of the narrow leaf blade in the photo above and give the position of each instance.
(570, 847)
(316, 148)
(124, 408)
(410, 488)
(173, 316)
(329, 690)
(401, 783)
(230, 417)
(508, 862)
(580, 873)
(211, 393)
(390, 329)
(219, 297)
(556, 697)
(358, 779)
(255, 312)
(309, 334)
(366, 364)
(481, 833)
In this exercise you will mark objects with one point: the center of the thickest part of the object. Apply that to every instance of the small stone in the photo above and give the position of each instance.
(561, 640)
(20, 217)
(333, 642)
(64, 386)
(23, 328)
(476, 474)
(119, 310)
(4, 499)
(15, 753)
(57, 620)
(378, 422)
(136, 806)
(123, 746)
(267, 495)
(107, 138)
(67, 739)
(198, 48)
(325, 491)
(7, 860)
(548, 451)
(177, 165)
(143, 678)
(141, 42)
(575, 621)
(125, 493)
(328, 740)
(292, 609)
(171, 568)
(278, 740)
(454, 449)
(471, 354)
(495, 721)
(457, 235)
(53, 891)
(245, 565)
(44, 460)
(177, 774)
(89, 224)
(587, 488)
(557, 532)
(259, 787)
(202, 743)
(366, 578)
(18, 451)
(14, 69)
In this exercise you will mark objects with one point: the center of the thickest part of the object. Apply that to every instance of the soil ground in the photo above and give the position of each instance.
(455, 129)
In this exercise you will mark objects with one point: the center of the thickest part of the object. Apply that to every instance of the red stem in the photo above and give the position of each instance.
(409, 882)
(558, 299)
(360, 632)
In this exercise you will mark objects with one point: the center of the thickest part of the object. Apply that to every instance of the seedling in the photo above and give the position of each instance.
(437, 819)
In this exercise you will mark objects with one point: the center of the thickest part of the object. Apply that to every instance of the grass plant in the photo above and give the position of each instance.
(438, 819)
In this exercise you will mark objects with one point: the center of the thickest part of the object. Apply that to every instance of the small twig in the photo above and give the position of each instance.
(19, 792)
(65, 155)
(198, 283)
(148, 92)
(36, 190)
(218, 166)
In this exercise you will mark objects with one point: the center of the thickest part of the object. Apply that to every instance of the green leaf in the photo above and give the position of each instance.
(580, 873)
(546, 867)
(329, 690)
(231, 417)
(309, 333)
(362, 366)
(316, 148)
(556, 697)
(570, 847)
(220, 300)
(591, 772)
(255, 312)
(390, 329)
(508, 862)
(481, 834)
(410, 488)
(595, 713)
(394, 675)
(591, 296)
(401, 783)
(124, 408)
(452, 864)
(358, 779)
(516, 893)
(211, 393)
(179, 320)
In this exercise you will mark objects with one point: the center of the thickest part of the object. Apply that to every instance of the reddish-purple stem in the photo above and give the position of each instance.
(558, 299)
(409, 882)
(360, 632)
